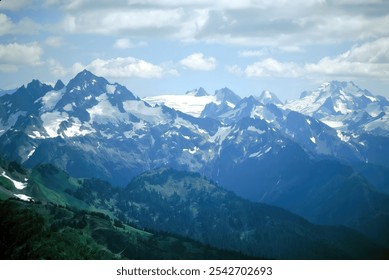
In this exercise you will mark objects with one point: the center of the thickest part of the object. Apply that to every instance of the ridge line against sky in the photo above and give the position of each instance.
(173, 46)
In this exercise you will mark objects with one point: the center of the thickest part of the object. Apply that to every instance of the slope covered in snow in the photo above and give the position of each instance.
(195, 101)
(345, 106)
(189, 104)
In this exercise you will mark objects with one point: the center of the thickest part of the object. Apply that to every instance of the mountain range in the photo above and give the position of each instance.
(323, 157)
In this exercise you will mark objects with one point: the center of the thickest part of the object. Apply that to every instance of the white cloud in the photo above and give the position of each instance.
(55, 41)
(126, 67)
(252, 53)
(56, 68)
(13, 56)
(6, 25)
(197, 61)
(270, 67)
(234, 69)
(370, 59)
(123, 43)
(24, 26)
(120, 21)
(271, 23)
(15, 5)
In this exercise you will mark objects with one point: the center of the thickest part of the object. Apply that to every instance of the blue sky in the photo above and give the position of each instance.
(171, 46)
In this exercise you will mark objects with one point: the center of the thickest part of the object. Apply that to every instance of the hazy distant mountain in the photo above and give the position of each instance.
(268, 97)
(345, 106)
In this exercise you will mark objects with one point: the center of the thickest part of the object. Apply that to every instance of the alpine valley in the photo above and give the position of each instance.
(91, 171)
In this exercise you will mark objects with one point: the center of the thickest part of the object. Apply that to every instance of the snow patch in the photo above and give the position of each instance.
(24, 197)
(341, 107)
(372, 99)
(136, 130)
(191, 105)
(78, 129)
(221, 134)
(260, 153)
(68, 107)
(104, 112)
(17, 184)
(342, 136)
(268, 150)
(192, 151)
(76, 88)
(139, 109)
(36, 135)
(52, 122)
(333, 124)
(50, 99)
(31, 152)
(111, 89)
(254, 129)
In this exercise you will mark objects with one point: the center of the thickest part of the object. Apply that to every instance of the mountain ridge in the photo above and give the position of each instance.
(94, 128)
(186, 204)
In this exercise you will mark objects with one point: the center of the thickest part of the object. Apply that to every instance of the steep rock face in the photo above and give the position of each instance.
(268, 97)
(227, 95)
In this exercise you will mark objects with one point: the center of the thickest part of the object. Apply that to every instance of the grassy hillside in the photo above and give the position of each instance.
(182, 204)
(46, 231)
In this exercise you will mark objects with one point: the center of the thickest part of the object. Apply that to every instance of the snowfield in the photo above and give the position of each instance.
(17, 184)
(191, 105)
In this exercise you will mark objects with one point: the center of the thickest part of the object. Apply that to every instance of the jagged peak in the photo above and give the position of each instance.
(86, 75)
(86, 78)
(59, 85)
(37, 85)
(226, 94)
(268, 97)
(197, 92)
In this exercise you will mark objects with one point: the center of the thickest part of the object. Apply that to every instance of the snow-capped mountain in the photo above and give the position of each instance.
(95, 128)
(195, 101)
(268, 97)
(314, 136)
(264, 152)
(197, 92)
(90, 124)
(346, 107)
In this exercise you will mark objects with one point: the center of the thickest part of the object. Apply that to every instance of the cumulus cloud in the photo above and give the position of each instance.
(24, 26)
(13, 56)
(123, 43)
(251, 23)
(56, 68)
(197, 61)
(234, 69)
(54, 41)
(252, 53)
(271, 67)
(126, 67)
(121, 21)
(370, 59)
(15, 5)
